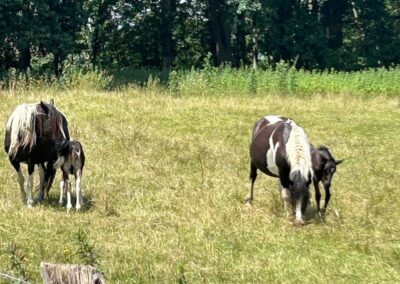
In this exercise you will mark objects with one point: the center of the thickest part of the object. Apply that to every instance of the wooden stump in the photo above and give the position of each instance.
(70, 274)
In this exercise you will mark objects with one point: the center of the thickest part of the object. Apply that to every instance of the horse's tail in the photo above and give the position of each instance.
(21, 126)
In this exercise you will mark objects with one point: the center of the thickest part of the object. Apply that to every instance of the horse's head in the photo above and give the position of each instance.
(326, 167)
(52, 122)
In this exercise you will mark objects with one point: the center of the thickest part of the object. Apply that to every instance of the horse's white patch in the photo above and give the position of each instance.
(271, 154)
(298, 151)
(60, 161)
(272, 118)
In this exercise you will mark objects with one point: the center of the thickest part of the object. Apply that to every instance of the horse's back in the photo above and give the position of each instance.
(262, 131)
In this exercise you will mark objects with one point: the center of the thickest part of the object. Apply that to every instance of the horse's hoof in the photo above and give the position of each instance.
(298, 222)
(248, 202)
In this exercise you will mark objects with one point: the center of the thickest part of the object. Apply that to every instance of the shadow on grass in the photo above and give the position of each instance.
(312, 216)
(53, 201)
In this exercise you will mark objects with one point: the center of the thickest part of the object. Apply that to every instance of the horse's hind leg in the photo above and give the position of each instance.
(253, 176)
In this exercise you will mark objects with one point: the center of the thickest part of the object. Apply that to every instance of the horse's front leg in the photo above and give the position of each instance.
(20, 180)
(286, 200)
(40, 195)
(29, 186)
(49, 178)
(300, 206)
(253, 176)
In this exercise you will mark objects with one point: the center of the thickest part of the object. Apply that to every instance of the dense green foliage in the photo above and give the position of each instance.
(42, 37)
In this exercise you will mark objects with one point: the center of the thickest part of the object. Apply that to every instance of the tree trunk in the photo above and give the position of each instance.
(96, 40)
(167, 16)
(57, 63)
(332, 13)
(240, 41)
(220, 30)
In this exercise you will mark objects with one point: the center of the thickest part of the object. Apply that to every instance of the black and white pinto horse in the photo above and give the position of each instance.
(323, 163)
(280, 148)
(31, 133)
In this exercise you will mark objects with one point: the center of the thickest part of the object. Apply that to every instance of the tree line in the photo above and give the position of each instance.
(43, 35)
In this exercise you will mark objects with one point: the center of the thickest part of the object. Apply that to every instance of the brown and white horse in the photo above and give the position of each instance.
(323, 163)
(31, 133)
(280, 148)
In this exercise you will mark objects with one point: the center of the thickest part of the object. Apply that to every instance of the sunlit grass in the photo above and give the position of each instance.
(166, 178)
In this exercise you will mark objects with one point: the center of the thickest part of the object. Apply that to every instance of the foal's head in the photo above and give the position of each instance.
(324, 165)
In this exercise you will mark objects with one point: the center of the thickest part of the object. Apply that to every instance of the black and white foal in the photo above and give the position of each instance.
(324, 166)
(280, 148)
(71, 160)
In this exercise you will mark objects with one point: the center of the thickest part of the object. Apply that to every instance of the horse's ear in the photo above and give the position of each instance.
(52, 102)
(338, 162)
(44, 107)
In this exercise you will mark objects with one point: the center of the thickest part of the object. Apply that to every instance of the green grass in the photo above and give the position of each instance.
(165, 183)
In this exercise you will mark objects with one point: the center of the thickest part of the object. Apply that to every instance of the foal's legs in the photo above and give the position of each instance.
(79, 199)
(67, 184)
(62, 192)
(327, 196)
(317, 195)
(253, 176)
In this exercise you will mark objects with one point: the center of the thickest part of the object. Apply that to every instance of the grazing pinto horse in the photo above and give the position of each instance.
(280, 148)
(323, 163)
(324, 166)
(71, 160)
(31, 133)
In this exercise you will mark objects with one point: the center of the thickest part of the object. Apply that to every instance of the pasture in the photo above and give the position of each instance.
(164, 187)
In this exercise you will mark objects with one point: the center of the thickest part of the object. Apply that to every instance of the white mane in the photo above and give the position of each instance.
(21, 126)
(298, 151)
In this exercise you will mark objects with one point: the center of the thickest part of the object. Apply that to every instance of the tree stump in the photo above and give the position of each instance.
(70, 274)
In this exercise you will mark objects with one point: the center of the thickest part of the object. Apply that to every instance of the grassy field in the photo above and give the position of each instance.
(165, 183)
